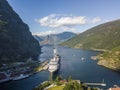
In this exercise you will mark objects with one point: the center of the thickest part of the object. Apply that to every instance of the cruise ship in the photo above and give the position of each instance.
(54, 62)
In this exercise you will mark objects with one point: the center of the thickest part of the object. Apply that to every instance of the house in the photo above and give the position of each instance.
(117, 88)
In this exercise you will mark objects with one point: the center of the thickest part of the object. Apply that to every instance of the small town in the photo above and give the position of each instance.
(18, 70)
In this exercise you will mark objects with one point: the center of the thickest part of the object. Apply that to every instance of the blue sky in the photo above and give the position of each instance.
(53, 16)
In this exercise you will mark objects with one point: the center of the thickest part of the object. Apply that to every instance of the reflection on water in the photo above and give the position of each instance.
(85, 70)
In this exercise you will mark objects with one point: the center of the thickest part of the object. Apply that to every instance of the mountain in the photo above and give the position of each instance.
(38, 38)
(16, 41)
(54, 38)
(105, 36)
(110, 59)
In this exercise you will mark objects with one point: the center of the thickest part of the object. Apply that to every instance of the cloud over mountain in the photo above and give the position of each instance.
(96, 19)
(64, 22)
(56, 20)
(60, 20)
(44, 33)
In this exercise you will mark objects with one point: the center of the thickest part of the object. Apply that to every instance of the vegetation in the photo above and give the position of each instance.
(58, 78)
(105, 36)
(43, 85)
(16, 41)
(111, 59)
(60, 84)
(2, 22)
(56, 88)
(102, 37)
(72, 85)
(40, 66)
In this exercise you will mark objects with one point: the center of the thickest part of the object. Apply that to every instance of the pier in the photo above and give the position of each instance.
(96, 84)
(51, 76)
(42, 66)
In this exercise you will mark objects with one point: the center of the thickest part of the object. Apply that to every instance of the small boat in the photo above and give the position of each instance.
(94, 57)
(21, 76)
(82, 58)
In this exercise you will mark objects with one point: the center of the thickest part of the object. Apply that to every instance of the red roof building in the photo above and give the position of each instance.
(118, 88)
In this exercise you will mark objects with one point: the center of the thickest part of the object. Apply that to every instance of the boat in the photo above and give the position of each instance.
(82, 58)
(54, 63)
(4, 77)
(94, 57)
(21, 76)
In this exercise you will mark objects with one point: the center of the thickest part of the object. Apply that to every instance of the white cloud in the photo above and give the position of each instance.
(68, 29)
(59, 20)
(44, 33)
(64, 22)
(96, 19)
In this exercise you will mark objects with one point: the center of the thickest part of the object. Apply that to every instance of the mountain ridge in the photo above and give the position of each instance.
(103, 37)
(54, 38)
(17, 42)
(97, 37)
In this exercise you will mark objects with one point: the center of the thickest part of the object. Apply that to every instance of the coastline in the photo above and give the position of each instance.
(92, 49)
(99, 60)
(109, 67)
(42, 66)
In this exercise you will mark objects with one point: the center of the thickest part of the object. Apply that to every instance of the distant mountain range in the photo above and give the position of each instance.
(54, 38)
(16, 41)
(102, 37)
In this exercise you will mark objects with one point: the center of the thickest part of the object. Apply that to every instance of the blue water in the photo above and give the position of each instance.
(85, 70)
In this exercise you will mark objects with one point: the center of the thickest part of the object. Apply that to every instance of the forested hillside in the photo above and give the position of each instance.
(105, 36)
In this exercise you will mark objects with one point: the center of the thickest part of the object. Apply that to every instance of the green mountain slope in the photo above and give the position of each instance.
(105, 36)
(111, 59)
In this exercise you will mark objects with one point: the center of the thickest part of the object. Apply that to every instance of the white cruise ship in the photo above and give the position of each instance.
(54, 62)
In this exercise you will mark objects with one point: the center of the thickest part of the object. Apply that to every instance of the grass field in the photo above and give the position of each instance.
(56, 88)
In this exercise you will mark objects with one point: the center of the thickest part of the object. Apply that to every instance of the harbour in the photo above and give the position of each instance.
(85, 70)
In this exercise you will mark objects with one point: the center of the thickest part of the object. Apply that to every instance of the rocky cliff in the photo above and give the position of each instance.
(16, 41)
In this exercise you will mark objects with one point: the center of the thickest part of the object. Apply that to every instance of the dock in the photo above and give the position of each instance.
(43, 66)
(96, 84)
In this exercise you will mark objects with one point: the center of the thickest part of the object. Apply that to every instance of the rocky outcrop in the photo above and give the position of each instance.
(16, 41)
(110, 59)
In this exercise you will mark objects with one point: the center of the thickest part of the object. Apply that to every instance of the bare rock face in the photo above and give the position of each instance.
(16, 41)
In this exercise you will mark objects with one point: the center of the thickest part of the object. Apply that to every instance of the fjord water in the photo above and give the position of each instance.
(85, 70)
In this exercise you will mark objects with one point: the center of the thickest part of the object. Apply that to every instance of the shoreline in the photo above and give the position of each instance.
(111, 68)
(92, 49)
(43, 66)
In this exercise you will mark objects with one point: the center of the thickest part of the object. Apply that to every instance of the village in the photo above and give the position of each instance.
(20, 70)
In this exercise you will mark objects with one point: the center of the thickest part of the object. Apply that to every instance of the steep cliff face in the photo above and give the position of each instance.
(16, 41)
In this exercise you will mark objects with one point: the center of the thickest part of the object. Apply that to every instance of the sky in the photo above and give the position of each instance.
(56, 16)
